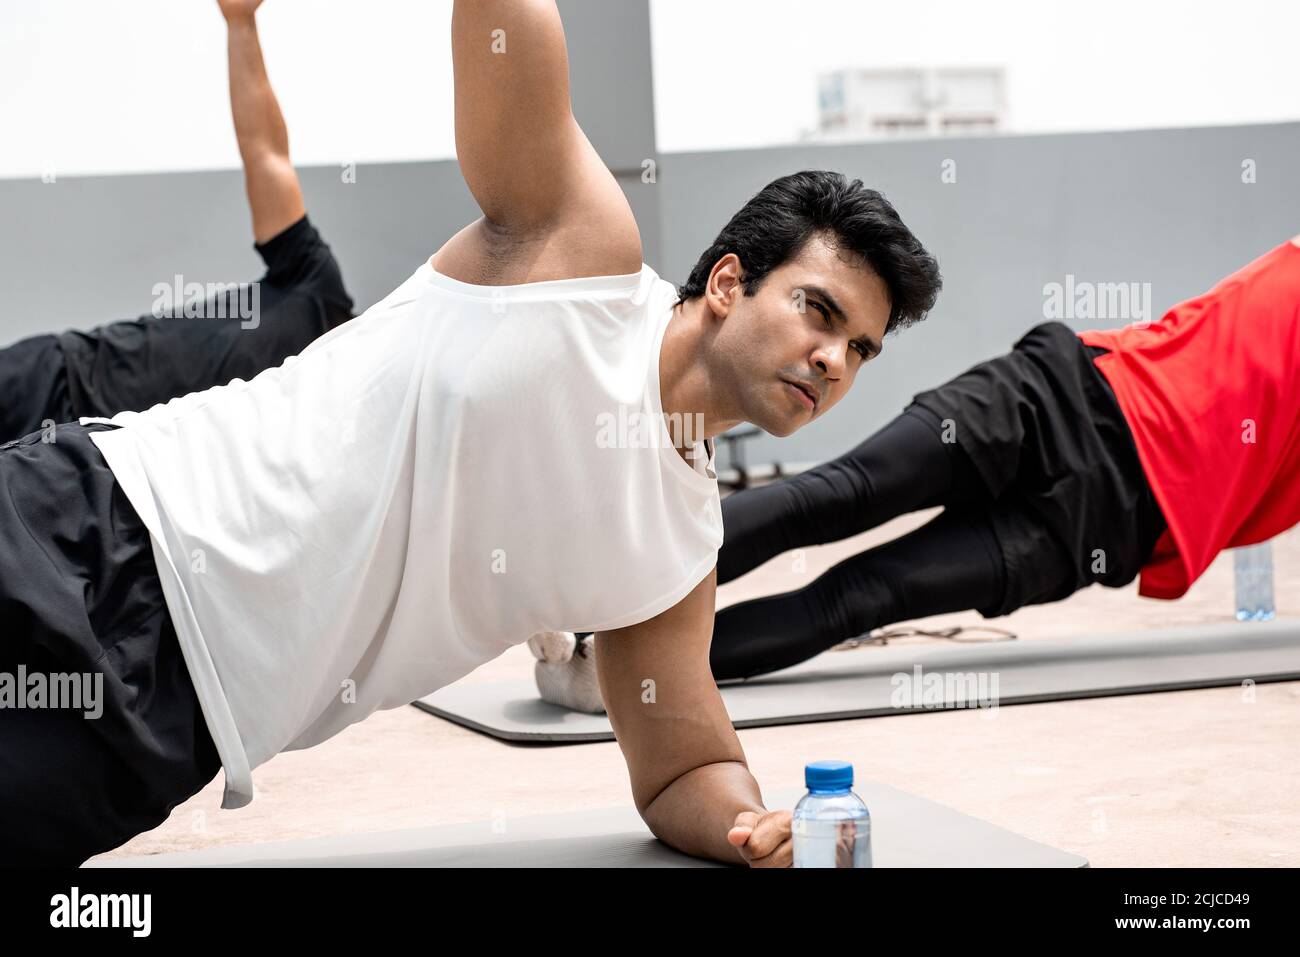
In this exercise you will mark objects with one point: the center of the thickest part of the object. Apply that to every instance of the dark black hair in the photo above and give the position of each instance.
(777, 221)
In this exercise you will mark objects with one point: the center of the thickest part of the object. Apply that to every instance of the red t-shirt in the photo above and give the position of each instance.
(1211, 392)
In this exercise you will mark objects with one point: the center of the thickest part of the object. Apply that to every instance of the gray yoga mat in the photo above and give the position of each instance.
(861, 683)
(906, 831)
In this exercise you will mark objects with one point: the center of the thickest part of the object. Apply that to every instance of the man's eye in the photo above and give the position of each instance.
(825, 315)
(864, 353)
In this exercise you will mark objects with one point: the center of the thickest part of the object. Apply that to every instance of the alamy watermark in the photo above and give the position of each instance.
(944, 689)
(639, 429)
(128, 911)
(214, 300)
(58, 690)
(1080, 299)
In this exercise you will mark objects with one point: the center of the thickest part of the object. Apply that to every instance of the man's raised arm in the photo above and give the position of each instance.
(529, 166)
(274, 196)
(690, 781)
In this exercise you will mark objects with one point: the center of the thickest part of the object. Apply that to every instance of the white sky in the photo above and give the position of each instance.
(97, 86)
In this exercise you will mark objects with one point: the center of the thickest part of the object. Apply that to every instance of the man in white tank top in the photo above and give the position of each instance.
(350, 531)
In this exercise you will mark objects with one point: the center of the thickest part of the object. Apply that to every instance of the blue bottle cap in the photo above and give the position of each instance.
(828, 776)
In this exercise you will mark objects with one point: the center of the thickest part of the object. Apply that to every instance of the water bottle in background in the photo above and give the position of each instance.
(831, 826)
(1254, 571)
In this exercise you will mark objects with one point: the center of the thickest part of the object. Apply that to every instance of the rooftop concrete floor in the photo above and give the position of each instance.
(1187, 778)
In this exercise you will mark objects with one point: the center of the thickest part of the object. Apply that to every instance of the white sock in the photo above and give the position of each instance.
(569, 681)
(552, 645)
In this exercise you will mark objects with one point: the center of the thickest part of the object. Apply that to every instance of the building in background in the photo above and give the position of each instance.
(867, 104)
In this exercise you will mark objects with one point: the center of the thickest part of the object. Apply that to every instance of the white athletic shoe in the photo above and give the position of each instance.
(566, 670)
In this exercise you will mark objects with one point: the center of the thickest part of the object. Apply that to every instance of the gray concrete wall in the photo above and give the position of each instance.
(83, 251)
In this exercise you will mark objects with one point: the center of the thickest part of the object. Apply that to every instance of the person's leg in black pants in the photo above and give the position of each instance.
(33, 387)
(904, 467)
(117, 738)
(951, 563)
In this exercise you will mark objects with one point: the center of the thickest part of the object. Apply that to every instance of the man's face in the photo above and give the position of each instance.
(813, 322)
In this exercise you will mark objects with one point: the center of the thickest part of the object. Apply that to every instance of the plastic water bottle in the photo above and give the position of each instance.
(831, 826)
(1254, 571)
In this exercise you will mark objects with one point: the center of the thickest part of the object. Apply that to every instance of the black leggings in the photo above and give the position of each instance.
(33, 387)
(952, 563)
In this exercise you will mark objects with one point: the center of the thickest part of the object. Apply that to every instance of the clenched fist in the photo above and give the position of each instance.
(238, 9)
(763, 840)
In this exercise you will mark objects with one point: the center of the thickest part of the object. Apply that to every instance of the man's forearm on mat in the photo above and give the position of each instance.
(695, 812)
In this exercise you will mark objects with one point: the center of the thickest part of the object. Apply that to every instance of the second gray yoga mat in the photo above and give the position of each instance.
(907, 831)
(861, 683)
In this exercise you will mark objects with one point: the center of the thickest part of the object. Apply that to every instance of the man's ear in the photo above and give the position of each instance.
(724, 288)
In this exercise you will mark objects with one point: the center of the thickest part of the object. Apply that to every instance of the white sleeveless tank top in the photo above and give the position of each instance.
(421, 488)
